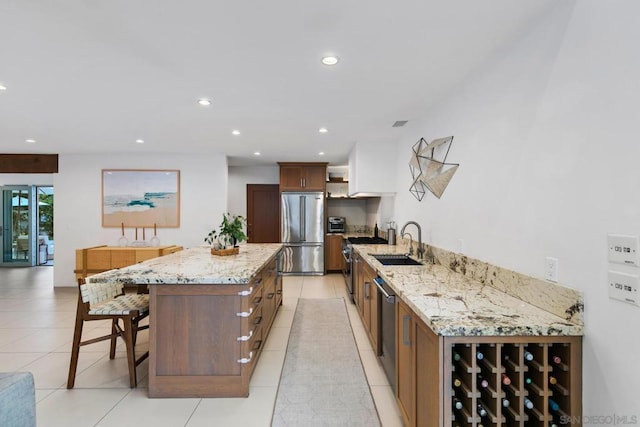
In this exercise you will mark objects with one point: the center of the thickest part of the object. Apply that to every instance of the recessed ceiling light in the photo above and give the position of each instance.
(235, 132)
(204, 102)
(140, 141)
(30, 141)
(257, 153)
(330, 60)
(321, 153)
(2, 87)
(323, 130)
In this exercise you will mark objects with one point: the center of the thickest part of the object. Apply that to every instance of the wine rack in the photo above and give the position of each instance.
(512, 381)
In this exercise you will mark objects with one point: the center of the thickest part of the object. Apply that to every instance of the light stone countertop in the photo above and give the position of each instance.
(454, 305)
(195, 266)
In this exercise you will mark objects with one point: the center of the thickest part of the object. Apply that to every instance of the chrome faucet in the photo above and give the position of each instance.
(410, 242)
(420, 251)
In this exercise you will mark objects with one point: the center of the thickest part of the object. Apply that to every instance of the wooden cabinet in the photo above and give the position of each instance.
(369, 313)
(102, 258)
(516, 380)
(358, 284)
(205, 340)
(303, 176)
(269, 293)
(367, 300)
(405, 371)
(334, 261)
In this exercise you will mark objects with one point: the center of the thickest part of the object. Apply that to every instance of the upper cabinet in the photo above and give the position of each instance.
(303, 176)
(372, 169)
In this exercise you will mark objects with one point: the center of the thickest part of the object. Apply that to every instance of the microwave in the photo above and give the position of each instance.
(335, 224)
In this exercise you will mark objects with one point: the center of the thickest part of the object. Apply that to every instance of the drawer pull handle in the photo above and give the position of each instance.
(245, 313)
(245, 337)
(246, 360)
(270, 295)
(257, 345)
(279, 292)
(405, 323)
(257, 300)
(258, 320)
(246, 293)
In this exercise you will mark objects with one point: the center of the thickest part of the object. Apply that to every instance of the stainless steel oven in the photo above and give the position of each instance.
(347, 271)
(347, 253)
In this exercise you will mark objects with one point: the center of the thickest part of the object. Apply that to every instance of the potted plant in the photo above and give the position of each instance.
(230, 232)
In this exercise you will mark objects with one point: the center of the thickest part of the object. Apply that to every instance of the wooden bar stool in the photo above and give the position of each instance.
(107, 301)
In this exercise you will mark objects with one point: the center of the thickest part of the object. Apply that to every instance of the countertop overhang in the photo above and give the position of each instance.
(452, 304)
(195, 266)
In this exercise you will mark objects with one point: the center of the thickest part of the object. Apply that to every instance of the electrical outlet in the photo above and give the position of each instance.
(551, 269)
(623, 249)
(623, 287)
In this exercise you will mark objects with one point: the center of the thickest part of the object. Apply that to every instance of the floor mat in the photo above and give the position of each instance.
(323, 381)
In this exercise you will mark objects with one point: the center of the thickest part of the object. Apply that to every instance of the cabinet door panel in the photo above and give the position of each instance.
(290, 178)
(315, 178)
(404, 363)
(428, 376)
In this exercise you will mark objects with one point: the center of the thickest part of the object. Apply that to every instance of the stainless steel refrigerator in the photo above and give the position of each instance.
(302, 226)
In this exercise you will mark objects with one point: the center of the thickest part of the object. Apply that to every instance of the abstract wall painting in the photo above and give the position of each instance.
(140, 198)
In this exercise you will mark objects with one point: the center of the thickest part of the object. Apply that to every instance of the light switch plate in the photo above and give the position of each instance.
(623, 249)
(623, 287)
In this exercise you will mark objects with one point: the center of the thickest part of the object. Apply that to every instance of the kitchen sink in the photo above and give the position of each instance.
(395, 259)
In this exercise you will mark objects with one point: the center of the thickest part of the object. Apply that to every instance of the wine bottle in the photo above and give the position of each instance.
(553, 405)
(482, 381)
(528, 356)
(481, 411)
(528, 403)
(505, 379)
(556, 359)
(457, 403)
(505, 403)
(479, 355)
(553, 380)
(456, 356)
(528, 380)
(456, 382)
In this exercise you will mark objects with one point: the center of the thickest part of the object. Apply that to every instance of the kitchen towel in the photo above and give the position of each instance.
(323, 381)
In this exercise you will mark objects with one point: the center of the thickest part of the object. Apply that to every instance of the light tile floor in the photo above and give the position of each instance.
(36, 329)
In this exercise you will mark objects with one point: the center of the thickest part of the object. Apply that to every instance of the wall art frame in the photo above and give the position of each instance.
(141, 198)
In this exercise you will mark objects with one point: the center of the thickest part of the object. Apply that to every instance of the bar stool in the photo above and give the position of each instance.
(107, 301)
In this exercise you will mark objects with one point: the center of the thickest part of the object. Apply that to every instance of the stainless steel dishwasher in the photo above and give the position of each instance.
(387, 310)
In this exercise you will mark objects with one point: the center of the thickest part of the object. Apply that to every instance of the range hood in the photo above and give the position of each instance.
(372, 170)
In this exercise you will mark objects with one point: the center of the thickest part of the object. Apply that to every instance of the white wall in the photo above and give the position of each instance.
(354, 210)
(40, 179)
(240, 176)
(78, 186)
(547, 138)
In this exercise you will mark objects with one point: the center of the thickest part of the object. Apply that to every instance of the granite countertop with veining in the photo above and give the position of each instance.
(454, 305)
(195, 266)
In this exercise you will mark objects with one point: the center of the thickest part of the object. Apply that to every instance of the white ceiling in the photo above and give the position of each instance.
(92, 76)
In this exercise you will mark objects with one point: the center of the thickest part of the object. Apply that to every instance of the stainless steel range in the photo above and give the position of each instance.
(347, 253)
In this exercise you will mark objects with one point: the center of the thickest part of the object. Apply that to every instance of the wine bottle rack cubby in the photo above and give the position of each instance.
(513, 381)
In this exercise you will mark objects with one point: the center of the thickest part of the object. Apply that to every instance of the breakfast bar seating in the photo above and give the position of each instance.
(107, 301)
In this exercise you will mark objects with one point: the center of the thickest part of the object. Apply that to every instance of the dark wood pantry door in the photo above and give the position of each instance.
(263, 213)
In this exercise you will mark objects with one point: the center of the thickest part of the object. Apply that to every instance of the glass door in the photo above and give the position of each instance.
(18, 226)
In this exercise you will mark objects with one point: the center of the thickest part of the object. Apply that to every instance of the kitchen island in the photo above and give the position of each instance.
(209, 317)
(476, 344)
